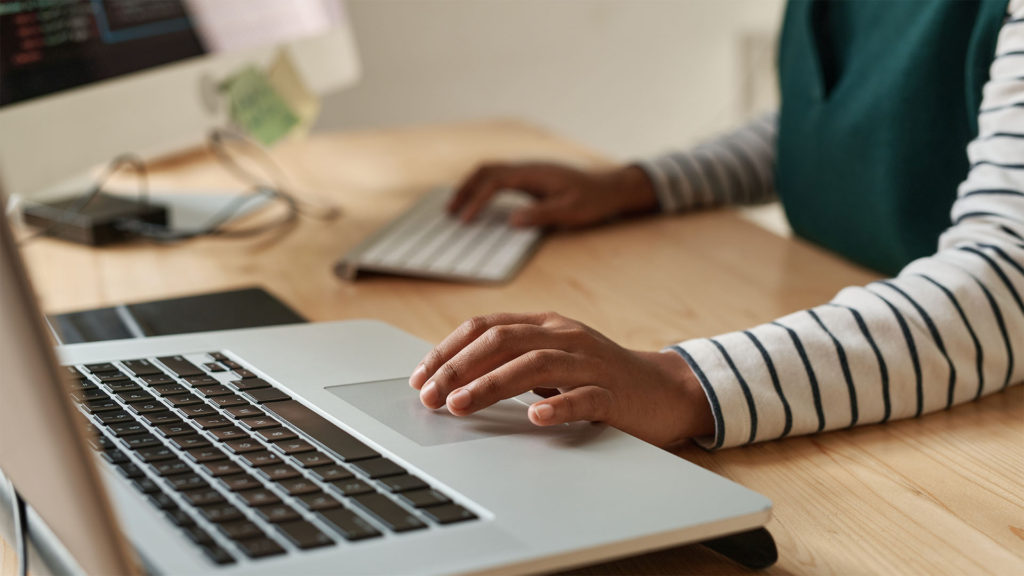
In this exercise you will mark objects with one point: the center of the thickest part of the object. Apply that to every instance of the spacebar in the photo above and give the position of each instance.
(341, 443)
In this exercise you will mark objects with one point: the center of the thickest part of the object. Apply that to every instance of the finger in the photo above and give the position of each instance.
(536, 369)
(589, 403)
(534, 179)
(467, 332)
(496, 346)
(466, 190)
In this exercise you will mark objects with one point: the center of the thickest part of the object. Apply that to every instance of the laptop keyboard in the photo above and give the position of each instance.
(242, 468)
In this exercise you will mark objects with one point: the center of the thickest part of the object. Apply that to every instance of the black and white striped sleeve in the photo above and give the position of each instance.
(947, 330)
(735, 168)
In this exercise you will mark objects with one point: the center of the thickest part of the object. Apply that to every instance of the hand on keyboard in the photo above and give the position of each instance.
(652, 395)
(566, 197)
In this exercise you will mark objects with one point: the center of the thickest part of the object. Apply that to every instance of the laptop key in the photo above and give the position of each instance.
(111, 377)
(162, 501)
(201, 380)
(250, 384)
(276, 434)
(115, 457)
(170, 467)
(390, 514)
(260, 459)
(156, 454)
(217, 390)
(259, 422)
(127, 429)
(110, 418)
(342, 444)
(241, 530)
(229, 433)
(180, 366)
(298, 486)
(331, 473)
(87, 395)
(448, 514)
(212, 421)
(146, 486)
(403, 483)
(175, 429)
(182, 400)
(247, 411)
(102, 405)
(219, 513)
(221, 468)
(218, 555)
(277, 513)
(141, 367)
(279, 472)
(378, 468)
(180, 518)
(147, 407)
(313, 459)
(161, 418)
(207, 454)
(137, 441)
(267, 395)
(259, 497)
(349, 524)
(352, 487)
(198, 410)
(203, 497)
(423, 498)
(318, 501)
(101, 442)
(169, 389)
(243, 445)
(240, 482)
(213, 367)
(101, 367)
(243, 373)
(304, 535)
(294, 446)
(131, 396)
(229, 401)
(131, 471)
(198, 535)
(183, 482)
(260, 547)
(159, 380)
(189, 442)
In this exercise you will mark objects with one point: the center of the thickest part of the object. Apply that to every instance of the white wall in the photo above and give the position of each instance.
(628, 77)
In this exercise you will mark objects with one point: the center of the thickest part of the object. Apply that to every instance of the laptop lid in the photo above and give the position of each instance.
(42, 437)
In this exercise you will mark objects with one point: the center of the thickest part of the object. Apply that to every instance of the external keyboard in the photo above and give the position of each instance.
(242, 468)
(427, 242)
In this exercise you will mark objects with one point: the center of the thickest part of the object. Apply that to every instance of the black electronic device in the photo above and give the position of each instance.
(93, 221)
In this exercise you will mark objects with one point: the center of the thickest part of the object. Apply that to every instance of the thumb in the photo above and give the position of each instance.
(587, 403)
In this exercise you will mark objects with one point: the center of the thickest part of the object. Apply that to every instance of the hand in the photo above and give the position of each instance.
(566, 197)
(651, 395)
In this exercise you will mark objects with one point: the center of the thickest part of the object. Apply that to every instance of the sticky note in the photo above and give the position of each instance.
(256, 107)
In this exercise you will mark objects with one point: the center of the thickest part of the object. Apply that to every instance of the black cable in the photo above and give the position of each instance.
(20, 530)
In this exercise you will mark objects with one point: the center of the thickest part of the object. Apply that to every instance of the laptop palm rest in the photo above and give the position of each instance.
(395, 404)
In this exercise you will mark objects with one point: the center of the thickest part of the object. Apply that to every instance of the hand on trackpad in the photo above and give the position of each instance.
(393, 403)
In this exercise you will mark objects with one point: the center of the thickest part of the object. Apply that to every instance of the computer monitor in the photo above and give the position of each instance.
(83, 81)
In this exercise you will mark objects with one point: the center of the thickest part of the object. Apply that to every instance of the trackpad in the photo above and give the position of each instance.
(397, 405)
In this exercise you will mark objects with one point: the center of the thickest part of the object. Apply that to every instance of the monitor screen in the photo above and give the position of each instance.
(47, 46)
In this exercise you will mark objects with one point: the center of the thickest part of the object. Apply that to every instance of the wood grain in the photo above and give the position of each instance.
(937, 495)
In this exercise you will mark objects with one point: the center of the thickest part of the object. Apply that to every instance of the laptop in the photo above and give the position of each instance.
(302, 450)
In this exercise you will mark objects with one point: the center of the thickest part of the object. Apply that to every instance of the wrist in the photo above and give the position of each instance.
(695, 415)
(633, 189)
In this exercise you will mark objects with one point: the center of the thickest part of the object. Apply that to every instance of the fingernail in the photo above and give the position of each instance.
(543, 412)
(428, 395)
(459, 399)
(418, 376)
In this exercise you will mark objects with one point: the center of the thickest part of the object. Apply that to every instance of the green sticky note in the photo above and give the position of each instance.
(256, 108)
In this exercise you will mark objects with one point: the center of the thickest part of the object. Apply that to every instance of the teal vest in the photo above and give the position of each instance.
(879, 101)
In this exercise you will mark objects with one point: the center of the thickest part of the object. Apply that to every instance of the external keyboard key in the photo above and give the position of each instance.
(313, 459)
(276, 434)
(349, 524)
(304, 535)
(352, 487)
(278, 513)
(141, 367)
(259, 497)
(260, 547)
(318, 501)
(180, 366)
(241, 530)
(345, 446)
(403, 483)
(423, 498)
(299, 486)
(392, 515)
(267, 395)
(448, 514)
(240, 482)
(378, 468)
(250, 384)
(331, 473)
(247, 411)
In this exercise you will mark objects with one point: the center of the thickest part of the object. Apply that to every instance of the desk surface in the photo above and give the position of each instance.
(941, 494)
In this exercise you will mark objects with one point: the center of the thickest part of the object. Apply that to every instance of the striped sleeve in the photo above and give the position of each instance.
(947, 330)
(735, 168)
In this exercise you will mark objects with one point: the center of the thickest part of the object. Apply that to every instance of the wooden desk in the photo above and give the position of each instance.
(942, 494)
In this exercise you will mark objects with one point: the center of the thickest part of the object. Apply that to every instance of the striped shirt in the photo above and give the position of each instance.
(947, 330)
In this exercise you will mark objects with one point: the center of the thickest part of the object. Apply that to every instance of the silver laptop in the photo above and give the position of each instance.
(302, 450)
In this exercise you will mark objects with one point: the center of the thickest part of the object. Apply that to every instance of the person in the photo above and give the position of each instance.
(879, 101)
